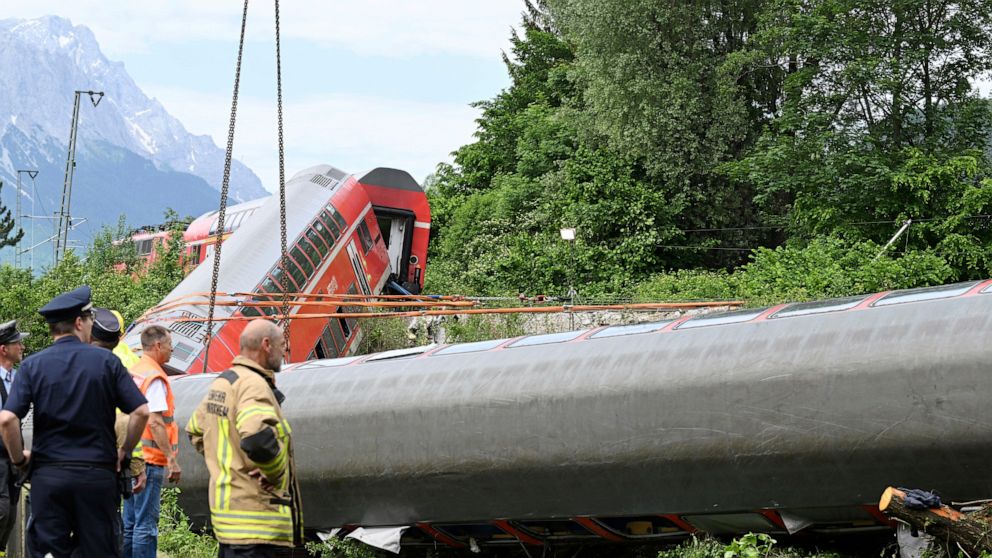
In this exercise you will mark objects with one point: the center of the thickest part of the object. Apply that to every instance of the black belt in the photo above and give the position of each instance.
(112, 467)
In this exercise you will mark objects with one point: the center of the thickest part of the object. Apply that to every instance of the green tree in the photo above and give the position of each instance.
(663, 83)
(8, 235)
(876, 110)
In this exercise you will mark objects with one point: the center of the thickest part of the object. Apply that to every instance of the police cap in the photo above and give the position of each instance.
(106, 326)
(9, 333)
(67, 306)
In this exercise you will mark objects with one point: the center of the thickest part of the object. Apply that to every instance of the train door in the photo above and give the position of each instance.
(396, 226)
(359, 266)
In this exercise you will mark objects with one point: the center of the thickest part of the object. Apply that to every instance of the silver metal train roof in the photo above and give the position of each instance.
(808, 411)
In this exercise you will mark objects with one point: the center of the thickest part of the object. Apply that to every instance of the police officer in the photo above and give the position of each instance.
(74, 388)
(11, 353)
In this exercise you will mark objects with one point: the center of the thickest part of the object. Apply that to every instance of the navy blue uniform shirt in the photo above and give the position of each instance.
(75, 389)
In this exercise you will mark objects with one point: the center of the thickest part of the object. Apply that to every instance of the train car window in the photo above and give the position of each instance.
(336, 335)
(317, 239)
(365, 236)
(330, 348)
(925, 293)
(282, 278)
(318, 351)
(352, 322)
(546, 339)
(475, 347)
(615, 331)
(987, 290)
(310, 249)
(333, 227)
(250, 311)
(297, 274)
(301, 260)
(819, 307)
(339, 219)
(324, 232)
(267, 310)
(722, 318)
(182, 351)
(345, 324)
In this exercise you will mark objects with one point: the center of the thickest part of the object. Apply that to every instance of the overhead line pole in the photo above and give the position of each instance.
(20, 216)
(65, 216)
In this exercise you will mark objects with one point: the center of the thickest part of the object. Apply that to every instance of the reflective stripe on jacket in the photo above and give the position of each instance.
(147, 370)
(239, 427)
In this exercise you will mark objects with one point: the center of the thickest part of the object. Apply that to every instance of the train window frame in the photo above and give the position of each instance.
(328, 340)
(547, 339)
(721, 318)
(338, 218)
(296, 273)
(311, 250)
(924, 294)
(343, 322)
(337, 334)
(328, 219)
(316, 239)
(473, 347)
(351, 322)
(299, 256)
(324, 233)
(251, 311)
(365, 237)
(814, 307)
(277, 273)
(631, 329)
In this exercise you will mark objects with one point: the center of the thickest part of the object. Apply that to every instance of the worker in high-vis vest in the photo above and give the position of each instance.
(108, 327)
(122, 351)
(159, 445)
(239, 428)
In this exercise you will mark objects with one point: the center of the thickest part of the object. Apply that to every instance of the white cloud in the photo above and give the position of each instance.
(354, 133)
(391, 28)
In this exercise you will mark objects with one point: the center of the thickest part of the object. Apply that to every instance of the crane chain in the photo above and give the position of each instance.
(282, 188)
(225, 184)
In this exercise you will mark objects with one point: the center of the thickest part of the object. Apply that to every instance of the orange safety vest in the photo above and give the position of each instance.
(149, 370)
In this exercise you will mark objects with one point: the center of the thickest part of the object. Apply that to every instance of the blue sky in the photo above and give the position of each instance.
(365, 84)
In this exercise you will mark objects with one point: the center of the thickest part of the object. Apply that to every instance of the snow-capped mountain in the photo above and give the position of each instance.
(42, 61)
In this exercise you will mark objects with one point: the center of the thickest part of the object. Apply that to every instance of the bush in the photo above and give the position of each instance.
(175, 536)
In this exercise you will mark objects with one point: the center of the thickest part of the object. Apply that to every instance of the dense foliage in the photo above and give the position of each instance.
(751, 141)
(117, 276)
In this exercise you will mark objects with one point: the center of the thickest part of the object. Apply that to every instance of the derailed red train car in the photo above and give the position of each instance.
(346, 235)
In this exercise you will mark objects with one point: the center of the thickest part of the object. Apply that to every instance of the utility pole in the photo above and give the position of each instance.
(64, 216)
(20, 216)
(568, 235)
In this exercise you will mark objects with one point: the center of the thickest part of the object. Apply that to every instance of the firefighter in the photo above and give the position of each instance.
(239, 428)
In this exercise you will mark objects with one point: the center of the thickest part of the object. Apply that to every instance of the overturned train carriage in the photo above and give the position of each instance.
(778, 419)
